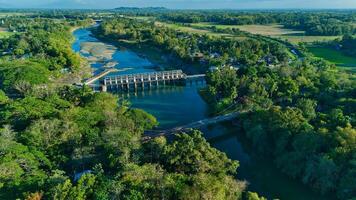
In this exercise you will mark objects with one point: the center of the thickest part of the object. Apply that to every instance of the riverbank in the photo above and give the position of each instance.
(160, 59)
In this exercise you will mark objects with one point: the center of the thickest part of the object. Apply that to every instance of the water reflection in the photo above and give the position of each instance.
(172, 105)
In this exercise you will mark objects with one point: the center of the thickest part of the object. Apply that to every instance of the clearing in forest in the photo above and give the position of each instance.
(334, 56)
(196, 30)
(295, 39)
(4, 33)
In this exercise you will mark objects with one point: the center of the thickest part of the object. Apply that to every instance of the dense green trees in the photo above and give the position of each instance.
(223, 83)
(299, 111)
(348, 44)
(44, 40)
(20, 165)
(184, 46)
(323, 24)
(297, 114)
(191, 154)
(89, 131)
(57, 132)
(21, 74)
(65, 142)
(53, 144)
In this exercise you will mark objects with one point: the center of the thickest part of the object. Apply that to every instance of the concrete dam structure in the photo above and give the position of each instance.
(141, 81)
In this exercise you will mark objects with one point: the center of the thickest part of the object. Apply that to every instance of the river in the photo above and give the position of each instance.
(179, 105)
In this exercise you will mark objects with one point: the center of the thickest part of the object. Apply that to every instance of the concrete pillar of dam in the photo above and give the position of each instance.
(104, 88)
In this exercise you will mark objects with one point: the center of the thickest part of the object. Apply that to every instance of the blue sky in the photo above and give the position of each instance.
(181, 4)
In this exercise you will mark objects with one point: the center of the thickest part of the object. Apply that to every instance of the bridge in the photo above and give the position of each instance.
(100, 75)
(149, 135)
(127, 82)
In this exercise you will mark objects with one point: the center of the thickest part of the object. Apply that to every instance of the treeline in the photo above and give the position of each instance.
(313, 23)
(194, 47)
(43, 21)
(322, 24)
(219, 17)
(302, 115)
(64, 142)
(348, 45)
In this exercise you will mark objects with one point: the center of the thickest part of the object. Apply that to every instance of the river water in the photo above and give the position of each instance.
(179, 105)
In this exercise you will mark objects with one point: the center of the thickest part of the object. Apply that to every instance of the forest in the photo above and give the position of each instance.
(302, 115)
(59, 141)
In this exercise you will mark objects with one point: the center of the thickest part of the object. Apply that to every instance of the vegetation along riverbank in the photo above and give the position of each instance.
(294, 138)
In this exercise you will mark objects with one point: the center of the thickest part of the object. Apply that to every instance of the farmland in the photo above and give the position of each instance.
(269, 30)
(272, 30)
(295, 39)
(196, 30)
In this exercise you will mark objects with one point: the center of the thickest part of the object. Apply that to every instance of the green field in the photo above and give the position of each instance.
(295, 39)
(143, 18)
(4, 33)
(196, 30)
(273, 30)
(269, 30)
(334, 56)
(183, 28)
(266, 30)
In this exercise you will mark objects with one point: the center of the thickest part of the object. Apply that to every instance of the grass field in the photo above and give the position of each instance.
(4, 33)
(295, 39)
(183, 28)
(274, 30)
(196, 30)
(266, 30)
(269, 30)
(143, 18)
(334, 56)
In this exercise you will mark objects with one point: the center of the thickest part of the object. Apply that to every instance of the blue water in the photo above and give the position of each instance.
(123, 56)
(174, 106)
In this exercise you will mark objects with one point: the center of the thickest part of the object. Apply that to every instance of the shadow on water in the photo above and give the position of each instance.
(258, 170)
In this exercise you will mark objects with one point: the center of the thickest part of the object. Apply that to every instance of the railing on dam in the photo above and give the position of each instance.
(150, 79)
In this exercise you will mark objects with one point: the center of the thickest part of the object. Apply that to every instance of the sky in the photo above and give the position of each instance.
(183, 4)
